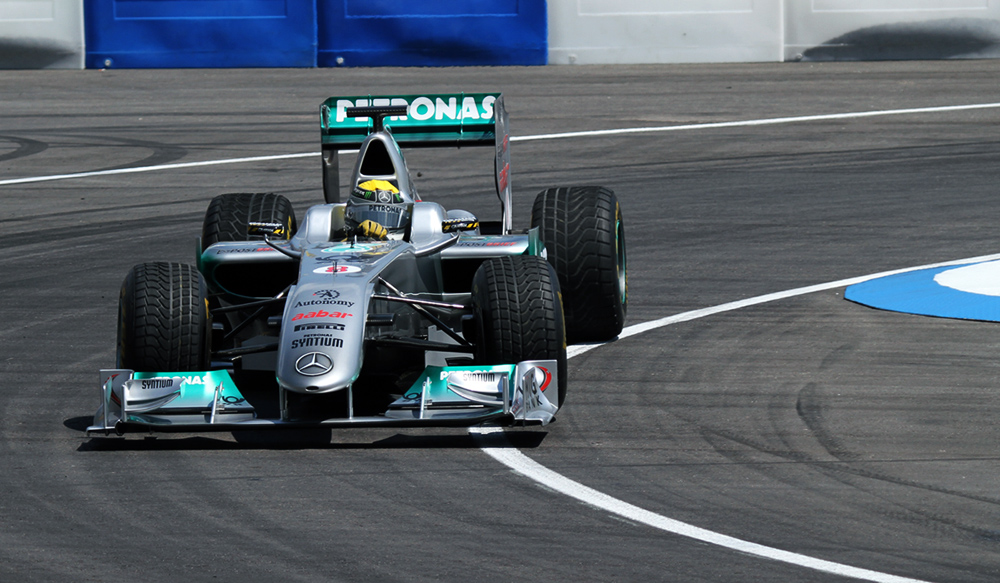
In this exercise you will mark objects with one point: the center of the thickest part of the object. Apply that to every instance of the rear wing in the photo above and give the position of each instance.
(433, 120)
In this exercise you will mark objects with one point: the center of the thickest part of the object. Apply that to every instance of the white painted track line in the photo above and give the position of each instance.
(527, 467)
(153, 168)
(757, 122)
(522, 464)
(701, 313)
(592, 133)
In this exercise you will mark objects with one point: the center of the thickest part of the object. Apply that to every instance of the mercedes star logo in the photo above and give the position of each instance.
(313, 364)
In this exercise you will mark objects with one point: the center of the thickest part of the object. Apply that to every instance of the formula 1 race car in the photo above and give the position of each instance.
(384, 310)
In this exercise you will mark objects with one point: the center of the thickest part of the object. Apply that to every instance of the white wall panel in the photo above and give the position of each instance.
(41, 34)
(664, 31)
(891, 29)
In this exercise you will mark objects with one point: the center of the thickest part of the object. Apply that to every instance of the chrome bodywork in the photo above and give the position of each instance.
(341, 321)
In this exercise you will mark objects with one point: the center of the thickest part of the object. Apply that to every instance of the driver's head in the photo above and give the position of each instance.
(379, 201)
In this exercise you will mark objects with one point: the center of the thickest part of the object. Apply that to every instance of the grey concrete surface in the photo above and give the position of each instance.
(810, 424)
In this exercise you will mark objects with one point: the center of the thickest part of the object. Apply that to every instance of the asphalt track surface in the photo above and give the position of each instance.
(807, 424)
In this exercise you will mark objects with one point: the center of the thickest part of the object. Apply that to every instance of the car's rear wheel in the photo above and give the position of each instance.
(518, 314)
(163, 319)
(584, 238)
(229, 214)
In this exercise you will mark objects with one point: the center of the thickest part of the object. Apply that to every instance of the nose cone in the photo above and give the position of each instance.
(322, 334)
(317, 371)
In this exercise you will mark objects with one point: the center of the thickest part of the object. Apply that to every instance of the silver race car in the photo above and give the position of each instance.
(378, 310)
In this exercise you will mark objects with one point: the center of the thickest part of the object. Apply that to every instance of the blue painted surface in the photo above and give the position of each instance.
(916, 292)
(367, 33)
(200, 33)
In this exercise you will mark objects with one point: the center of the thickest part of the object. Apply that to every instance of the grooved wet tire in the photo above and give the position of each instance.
(228, 215)
(518, 314)
(584, 238)
(163, 320)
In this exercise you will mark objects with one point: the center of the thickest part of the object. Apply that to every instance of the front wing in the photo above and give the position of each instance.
(458, 396)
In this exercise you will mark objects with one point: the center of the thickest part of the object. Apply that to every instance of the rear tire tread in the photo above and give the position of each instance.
(228, 215)
(578, 226)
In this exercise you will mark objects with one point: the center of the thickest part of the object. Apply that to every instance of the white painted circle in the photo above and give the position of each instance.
(981, 278)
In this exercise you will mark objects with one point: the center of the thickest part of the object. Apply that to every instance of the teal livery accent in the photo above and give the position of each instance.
(432, 119)
(198, 392)
(450, 387)
(535, 245)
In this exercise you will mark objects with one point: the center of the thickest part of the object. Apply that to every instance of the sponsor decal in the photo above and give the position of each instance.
(196, 380)
(528, 397)
(109, 385)
(144, 395)
(378, 191)
(304, 327)
(338, 269)
(242, 250)
(362, 211)
(452, 225)
(542, 378)
(355, 248)
(317, 341)
(479, 387)
(314, 364)
(324, 303)
(503, 177)
(321, 314)
(384, 208)
(153, 384)
(471, 375)
(265, 228)
(424, 108)
(325, 297)
(486, 243)
(414, 395)
(490, 242)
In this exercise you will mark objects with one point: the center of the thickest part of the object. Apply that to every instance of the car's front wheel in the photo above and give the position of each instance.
(163, 319)
(518, 314)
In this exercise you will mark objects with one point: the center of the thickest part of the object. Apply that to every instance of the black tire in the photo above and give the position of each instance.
(518, 314)
(228, 215)
(584, 238)
(163, 319)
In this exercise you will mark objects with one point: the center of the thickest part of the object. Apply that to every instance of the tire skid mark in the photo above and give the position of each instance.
(842, 471)
(809, 408)
(26, 147)
(527, 467)
(60, 234)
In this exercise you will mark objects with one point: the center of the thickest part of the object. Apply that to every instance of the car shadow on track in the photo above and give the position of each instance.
(308, 439)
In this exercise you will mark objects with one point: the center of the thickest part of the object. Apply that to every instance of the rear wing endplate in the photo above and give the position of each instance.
(434, 120)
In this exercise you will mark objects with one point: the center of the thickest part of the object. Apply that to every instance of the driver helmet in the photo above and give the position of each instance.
(379, 201)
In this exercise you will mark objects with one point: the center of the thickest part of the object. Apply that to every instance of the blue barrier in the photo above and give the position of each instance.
(303, 33)
(364, 33)
(200, 33)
